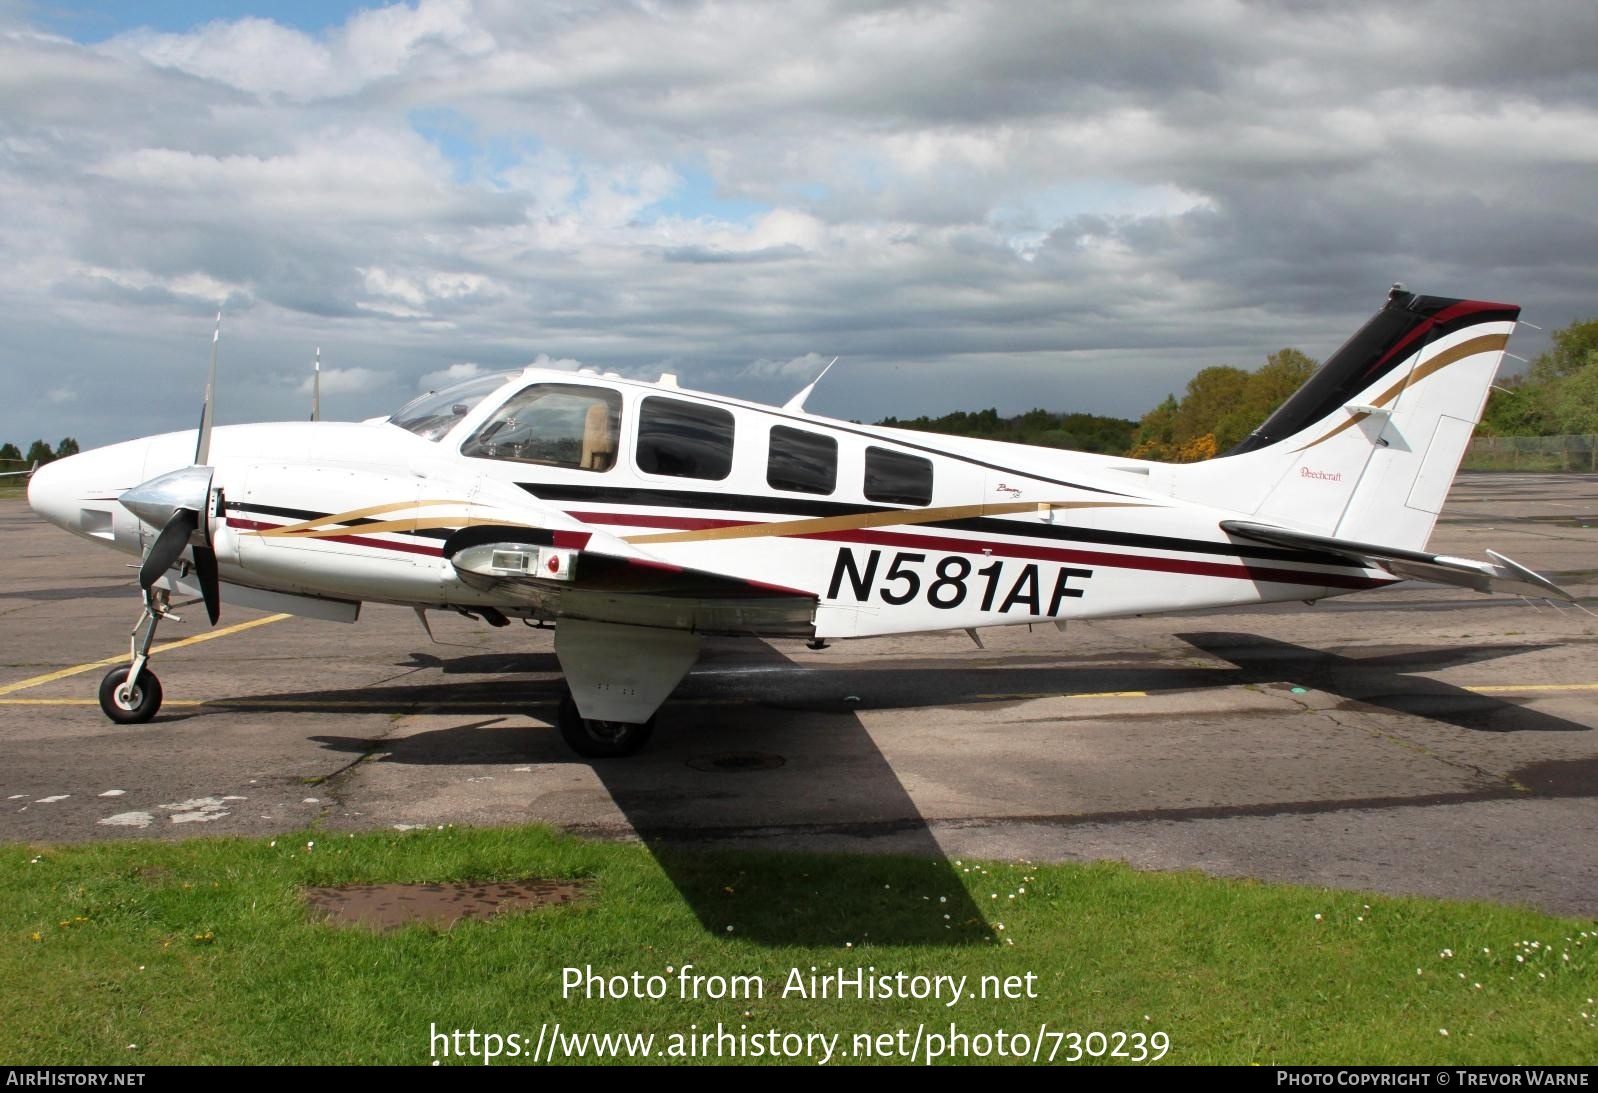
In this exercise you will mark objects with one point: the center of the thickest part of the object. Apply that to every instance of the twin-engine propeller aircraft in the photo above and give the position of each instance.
(639, 517)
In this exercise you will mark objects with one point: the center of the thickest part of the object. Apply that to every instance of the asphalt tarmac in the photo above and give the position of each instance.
(1410, 740)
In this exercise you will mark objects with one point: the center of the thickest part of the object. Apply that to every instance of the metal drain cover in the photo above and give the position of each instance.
(737, 762)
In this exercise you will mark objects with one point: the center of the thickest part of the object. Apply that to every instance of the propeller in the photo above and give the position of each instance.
(177, 502)
(168, 546)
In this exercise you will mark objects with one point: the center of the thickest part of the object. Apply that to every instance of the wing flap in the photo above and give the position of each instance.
(1501, 574)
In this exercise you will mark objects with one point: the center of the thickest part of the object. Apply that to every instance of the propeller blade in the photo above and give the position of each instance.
(210, 585)
(202, 448)
(168, 546)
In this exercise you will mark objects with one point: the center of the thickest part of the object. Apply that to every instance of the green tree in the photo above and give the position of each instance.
(39, 452)
(1156, 433)
(1221, 406)
(1558, 395)
(1077, 432)
(1211, 402)
(68, 446)
(10, 451)
(1575, 349)
(1514, 408)
(1573, 402)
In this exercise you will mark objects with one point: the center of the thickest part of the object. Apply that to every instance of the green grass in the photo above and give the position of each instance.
(202, 952)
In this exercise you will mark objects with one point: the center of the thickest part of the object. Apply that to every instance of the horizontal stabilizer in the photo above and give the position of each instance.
(1499, 575)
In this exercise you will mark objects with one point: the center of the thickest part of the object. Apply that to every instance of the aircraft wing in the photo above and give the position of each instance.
(1499, 575)
(525, 567)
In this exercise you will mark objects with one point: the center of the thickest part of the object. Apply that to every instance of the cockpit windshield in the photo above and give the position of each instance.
(434, 413)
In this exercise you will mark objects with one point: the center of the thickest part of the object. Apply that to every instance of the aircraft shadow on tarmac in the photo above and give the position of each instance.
(774, 899)
(703, 756)
(1384, 680)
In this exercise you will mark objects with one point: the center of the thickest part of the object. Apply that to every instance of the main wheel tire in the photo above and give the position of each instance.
(595, 739)
(140, 703)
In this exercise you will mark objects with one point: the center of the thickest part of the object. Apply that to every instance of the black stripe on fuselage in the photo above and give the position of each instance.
(985, 525)
(699, 499)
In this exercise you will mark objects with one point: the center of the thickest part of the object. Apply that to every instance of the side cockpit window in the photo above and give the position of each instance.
(553, 424)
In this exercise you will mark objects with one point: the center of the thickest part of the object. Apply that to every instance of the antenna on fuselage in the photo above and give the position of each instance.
(797, 403)
(316, 388)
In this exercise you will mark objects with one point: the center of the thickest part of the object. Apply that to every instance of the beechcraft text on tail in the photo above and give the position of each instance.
(638, 517)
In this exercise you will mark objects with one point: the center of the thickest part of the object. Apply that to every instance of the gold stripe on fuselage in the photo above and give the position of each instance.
(317, 526)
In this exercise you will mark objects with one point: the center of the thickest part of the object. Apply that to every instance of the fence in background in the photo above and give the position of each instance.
(1532, 453)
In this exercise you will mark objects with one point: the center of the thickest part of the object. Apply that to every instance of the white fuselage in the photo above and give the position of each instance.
(891, 531)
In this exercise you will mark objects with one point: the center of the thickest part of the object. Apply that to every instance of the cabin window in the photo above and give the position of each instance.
(800, 461)
(897, 478)
(684, 439)
(554, 424)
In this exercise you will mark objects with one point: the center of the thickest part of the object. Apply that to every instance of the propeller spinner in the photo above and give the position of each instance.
(178, 503)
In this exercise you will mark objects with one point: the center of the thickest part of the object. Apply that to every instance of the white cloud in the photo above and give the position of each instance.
(263, 57)
(974, 203)
(346, 381)
(564, 364)
(382, 283)
(448, 377)
(797, 370)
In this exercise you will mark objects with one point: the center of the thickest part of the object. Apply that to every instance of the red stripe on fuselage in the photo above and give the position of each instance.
(1241, 572)
(1229, 570)
(663, 523)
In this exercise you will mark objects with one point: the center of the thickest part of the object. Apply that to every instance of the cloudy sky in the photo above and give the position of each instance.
(1072, 205)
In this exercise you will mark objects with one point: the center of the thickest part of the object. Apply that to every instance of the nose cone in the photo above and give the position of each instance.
(79, 493)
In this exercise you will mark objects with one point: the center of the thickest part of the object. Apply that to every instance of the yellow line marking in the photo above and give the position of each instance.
(893, 518)
(1506, 688)
(1056, 694)
(50, 677)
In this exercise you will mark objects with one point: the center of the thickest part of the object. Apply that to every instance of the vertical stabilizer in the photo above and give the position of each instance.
(1368, 447)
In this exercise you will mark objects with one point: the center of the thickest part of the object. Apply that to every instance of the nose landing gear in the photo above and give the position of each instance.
(132, 695)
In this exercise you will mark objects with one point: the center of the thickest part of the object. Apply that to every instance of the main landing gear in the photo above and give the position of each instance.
(595, 739)
(132, 695)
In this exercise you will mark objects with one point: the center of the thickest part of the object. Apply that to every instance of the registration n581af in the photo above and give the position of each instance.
(948, 581)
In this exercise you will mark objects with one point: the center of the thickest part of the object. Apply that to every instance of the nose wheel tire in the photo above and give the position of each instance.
(130, 704)
(594, 739)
